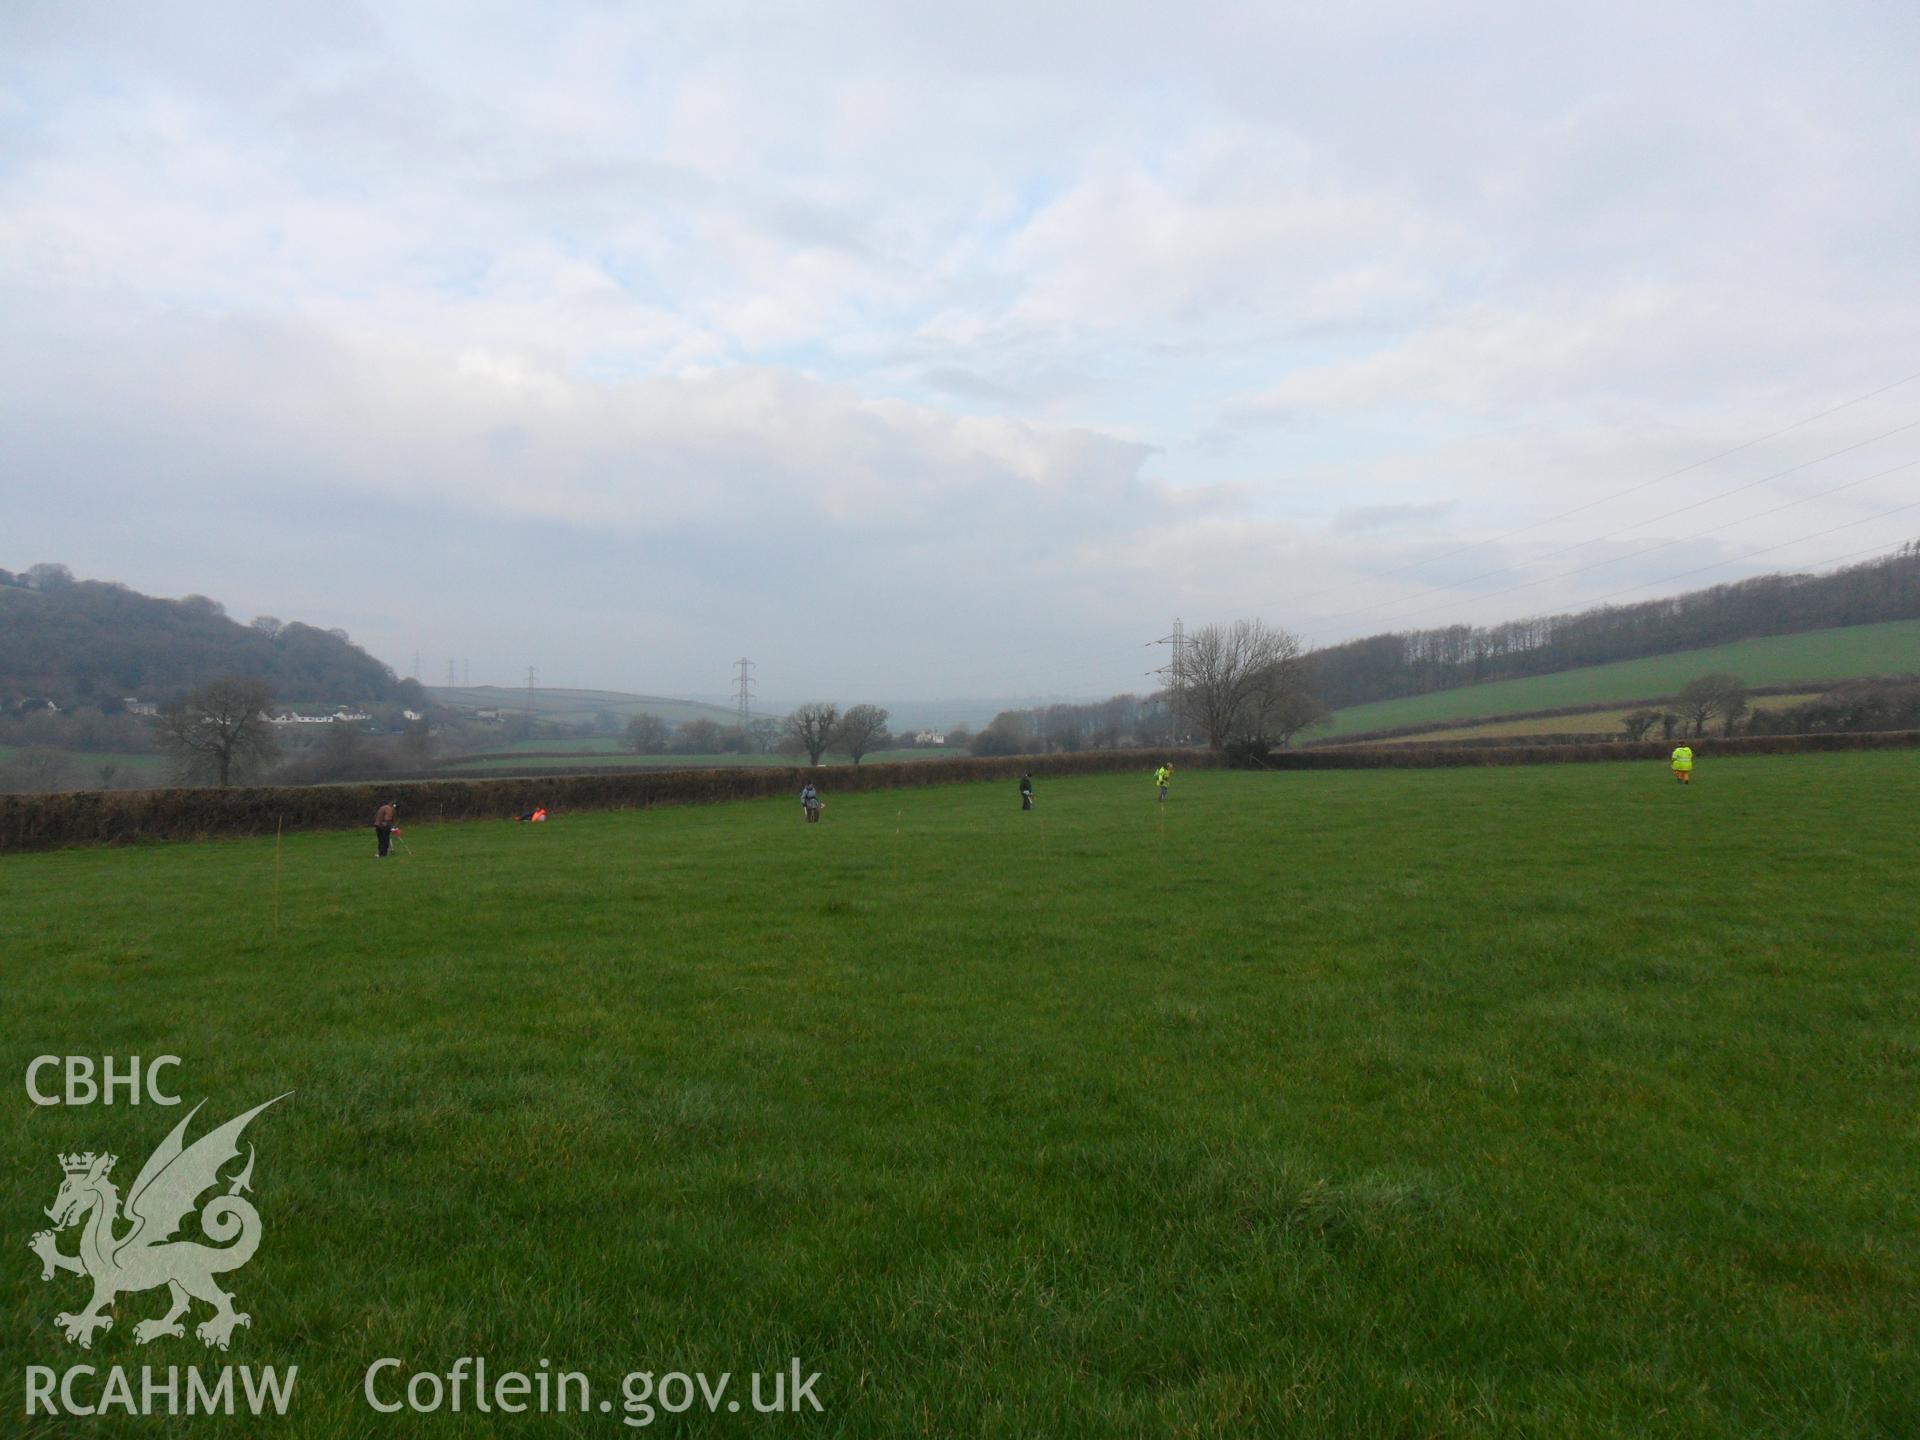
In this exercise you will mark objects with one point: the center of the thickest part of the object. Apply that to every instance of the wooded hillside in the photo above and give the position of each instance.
(1384, 667)
(89, 641)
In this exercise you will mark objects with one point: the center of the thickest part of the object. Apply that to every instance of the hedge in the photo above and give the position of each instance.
(1497, 742)
(1397, 757)
(42, 822)
(1589, 707)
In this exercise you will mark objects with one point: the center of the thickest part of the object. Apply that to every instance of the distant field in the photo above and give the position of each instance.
(1886, 649)
(626, 760)
(1588, 722)
(590, 745)
(1545, 1102)
(577, 707)
(85, 765)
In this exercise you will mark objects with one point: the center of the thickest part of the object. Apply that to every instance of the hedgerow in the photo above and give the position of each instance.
(36, 822)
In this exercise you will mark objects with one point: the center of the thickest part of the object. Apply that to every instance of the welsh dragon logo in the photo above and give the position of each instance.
(144, 1255)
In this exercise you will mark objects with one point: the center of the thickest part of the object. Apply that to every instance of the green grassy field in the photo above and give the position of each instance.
(1892, 648)
(1546, 1101)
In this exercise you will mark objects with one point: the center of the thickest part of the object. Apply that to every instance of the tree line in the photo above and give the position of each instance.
(1701, 701)
(1242, 689)
(89, 644)
(1722, 700)
(1382, 667)
(813, 729)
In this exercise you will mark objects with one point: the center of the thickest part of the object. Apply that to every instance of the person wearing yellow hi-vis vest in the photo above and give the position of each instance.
(1683, 763)
(1163, 777)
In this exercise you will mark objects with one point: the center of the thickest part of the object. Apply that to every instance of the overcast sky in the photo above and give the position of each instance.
(937, 350)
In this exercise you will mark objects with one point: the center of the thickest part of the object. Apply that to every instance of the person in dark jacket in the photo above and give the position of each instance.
(1026, 791)
(383, 829)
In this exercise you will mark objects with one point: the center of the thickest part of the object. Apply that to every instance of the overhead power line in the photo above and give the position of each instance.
(1667, 579)
(1108, 661)
(1615, 559)
(1173, 674)
(1581, 509)
(1091, 664)
(1881, 549)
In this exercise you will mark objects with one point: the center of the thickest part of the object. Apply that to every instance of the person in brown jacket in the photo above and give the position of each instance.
(383, 829)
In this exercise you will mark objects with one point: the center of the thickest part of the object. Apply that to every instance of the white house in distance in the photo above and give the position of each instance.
(342, 714)
(930, 737)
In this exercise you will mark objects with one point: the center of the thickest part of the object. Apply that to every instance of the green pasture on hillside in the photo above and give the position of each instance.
(1607, 723)
(1546, 1101)
(1892, 648)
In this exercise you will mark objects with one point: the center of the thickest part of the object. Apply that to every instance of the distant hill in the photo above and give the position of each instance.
(1810, 659)
(582, 707)
(87, 641)
(575, 707)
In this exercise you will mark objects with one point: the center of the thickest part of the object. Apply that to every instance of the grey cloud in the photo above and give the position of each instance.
(639, 314)
(1363, 519)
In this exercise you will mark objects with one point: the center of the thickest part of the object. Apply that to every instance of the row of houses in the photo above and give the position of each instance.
(26, 705)
(340, 716)
(134, 705)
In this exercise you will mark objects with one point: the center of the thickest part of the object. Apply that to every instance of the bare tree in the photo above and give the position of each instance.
(340, 755)
(860, 730)
(1733, 706)
(1709, 695)
(1295, 710)
(1008, 733)
(698, 737)
(811, 727)
(1235, 680)
(416, 741)
(34, 769)
(1639, 723)
(763, 734)
(268, 625)
(221, 730)
(647, 735)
